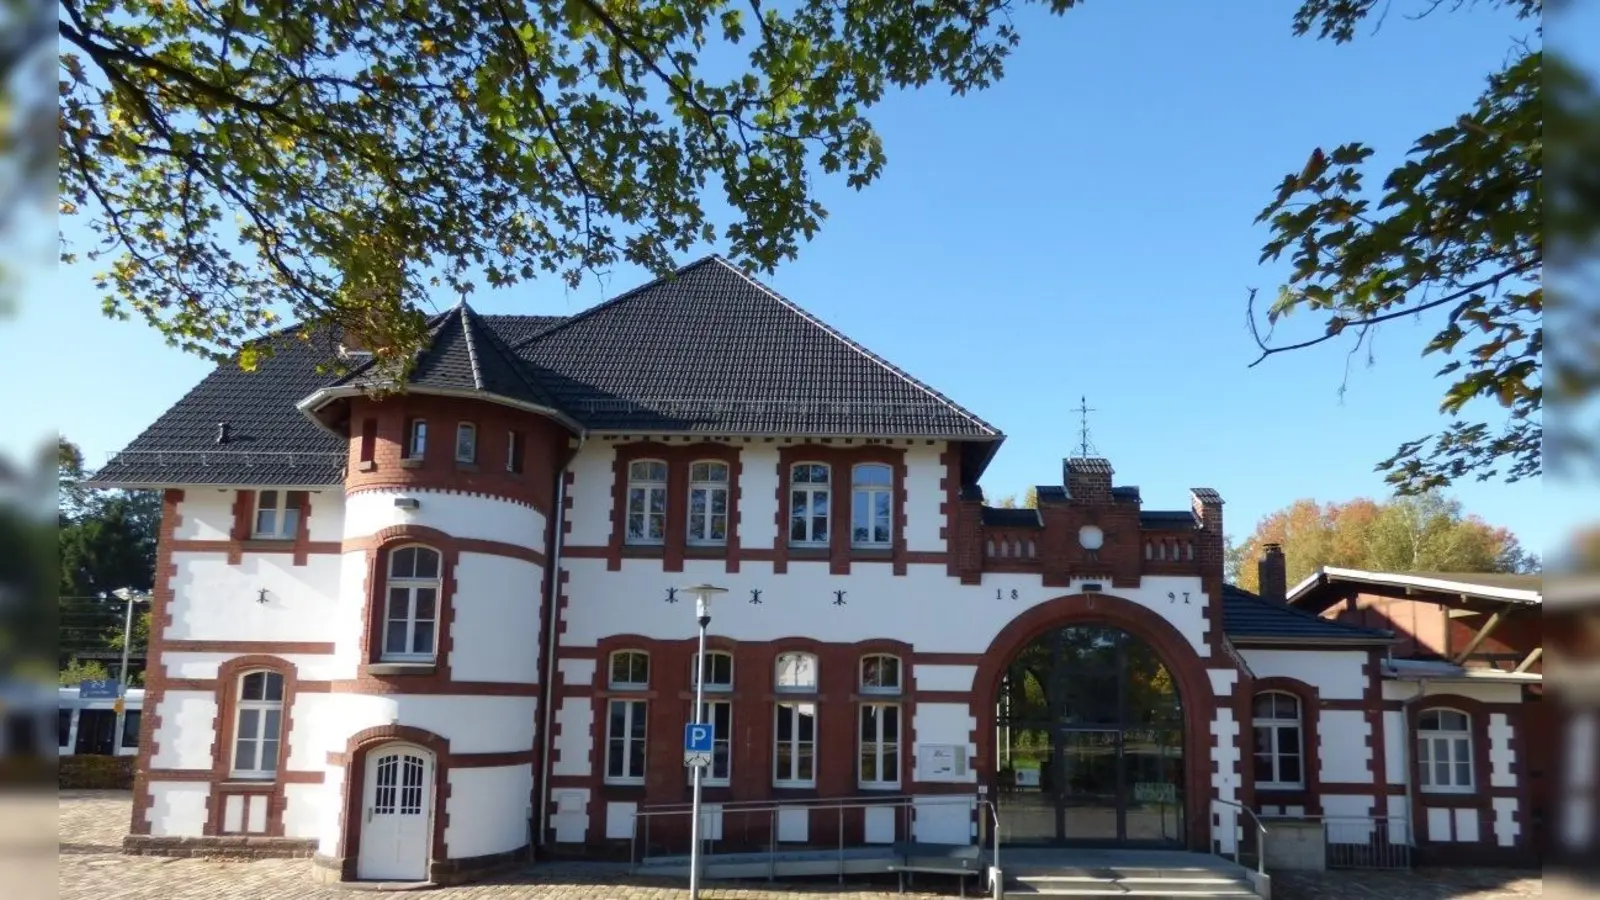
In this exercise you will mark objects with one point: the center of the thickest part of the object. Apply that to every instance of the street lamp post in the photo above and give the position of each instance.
(702, 609)
(129, 597)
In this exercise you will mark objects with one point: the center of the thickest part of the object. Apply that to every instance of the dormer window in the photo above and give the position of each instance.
(466, 443)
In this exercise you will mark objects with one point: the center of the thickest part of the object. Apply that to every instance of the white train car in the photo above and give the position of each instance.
(89, 726)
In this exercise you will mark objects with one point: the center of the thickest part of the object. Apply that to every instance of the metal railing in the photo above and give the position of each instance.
(1230, 821)
(904, 806)
(1367, 842)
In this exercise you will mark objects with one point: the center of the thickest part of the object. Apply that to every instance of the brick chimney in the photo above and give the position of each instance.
(1087, 479)
(1274, 574)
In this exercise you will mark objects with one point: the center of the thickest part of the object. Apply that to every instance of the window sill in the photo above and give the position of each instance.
(266, 540)
(367, 465)
(643, 551)
(249, 783)
(402, 668)
(466, 466)
(870, 553)
(705, 551)
(410, 463)
(1448, 791)
(807, 551)
(794, 790)
(884, 786)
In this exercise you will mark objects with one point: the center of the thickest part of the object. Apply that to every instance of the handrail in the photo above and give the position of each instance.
(1261, 829)
(906, 802)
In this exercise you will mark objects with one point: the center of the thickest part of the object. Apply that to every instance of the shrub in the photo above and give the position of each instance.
(96, 772)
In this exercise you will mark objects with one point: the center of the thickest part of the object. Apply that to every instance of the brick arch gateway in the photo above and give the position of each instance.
(1082, 812)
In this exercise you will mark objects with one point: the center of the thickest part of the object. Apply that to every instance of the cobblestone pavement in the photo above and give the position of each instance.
(91, 867)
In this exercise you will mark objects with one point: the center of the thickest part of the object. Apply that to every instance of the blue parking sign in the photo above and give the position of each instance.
(698, 738)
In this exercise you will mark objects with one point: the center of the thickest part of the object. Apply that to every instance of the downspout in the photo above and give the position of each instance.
(1408, 749)
(552, 630)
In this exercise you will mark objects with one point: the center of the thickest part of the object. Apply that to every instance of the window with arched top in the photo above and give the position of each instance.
(719, 670)
(809, 492)
(872, 493)
(1279, 742)
(708, 503)
(796, 672)
(257, 725)
(630, 669)
(647, 502)
(1444, 751)
(411, 616)
(880, 674)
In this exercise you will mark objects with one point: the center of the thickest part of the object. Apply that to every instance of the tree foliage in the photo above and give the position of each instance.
(1417, 533)
(332, 161)
(1030, 500)
(1454, 232)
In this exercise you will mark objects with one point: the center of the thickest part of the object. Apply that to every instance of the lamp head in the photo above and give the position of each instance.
(702, 597)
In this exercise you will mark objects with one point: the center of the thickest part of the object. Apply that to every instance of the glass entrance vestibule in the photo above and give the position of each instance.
(1089, 728)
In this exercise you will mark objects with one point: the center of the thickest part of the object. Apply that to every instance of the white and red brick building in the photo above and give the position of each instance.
(418, 633)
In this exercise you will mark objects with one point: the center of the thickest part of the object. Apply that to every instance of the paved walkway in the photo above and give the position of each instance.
(91, 867)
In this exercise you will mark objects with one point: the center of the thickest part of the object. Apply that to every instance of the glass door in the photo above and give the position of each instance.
(1091, 797)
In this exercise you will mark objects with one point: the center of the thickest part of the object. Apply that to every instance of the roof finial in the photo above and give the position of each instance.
(1085, 447)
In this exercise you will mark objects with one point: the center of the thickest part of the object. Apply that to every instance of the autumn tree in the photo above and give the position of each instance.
(1454, 234)
(1030, 500)
(1421, 533)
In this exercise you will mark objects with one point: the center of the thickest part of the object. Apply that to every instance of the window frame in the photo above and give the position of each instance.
(777, 673)
(636, 729)
(711, 686)
(722, 738)
(871, 491)
(881, 690)
(611, 670)
(1275, 725)
(1450, 739)
(794, 743)
(514, 450)
(652, 490)
(882, 749)
(261, 708)
(708, 517)
(469, 430)
(811, 490)
(286, 515)
(416, 439)
(412, 584)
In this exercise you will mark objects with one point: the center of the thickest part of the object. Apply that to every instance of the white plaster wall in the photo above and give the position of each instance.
(496, 625)
(178, 808)
(571, 818)
(1506, 828)
(207, 515)
(458, 515)
(1487, 693)
(1399, 819)
(1336, 674)
(489, 810)
(944, 678)
(942, 820)
(758, 495)
(215, 601)
(184, 739)
(619, 819)
(1344, 753)
(1501, 756)
(1395, 759)
(924, 471)
(1224, 780)
(1349, 818)
(1222, 681)
(576, 671)
(471, 724)
(574, 737)
(801, 602)
(328, 814)
(590, 491)
(309, 667)
(319, 727)
(303, 809)
(327, 516)
(946, 723)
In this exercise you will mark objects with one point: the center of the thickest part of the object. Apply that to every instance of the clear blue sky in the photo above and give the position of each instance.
(1084, 228)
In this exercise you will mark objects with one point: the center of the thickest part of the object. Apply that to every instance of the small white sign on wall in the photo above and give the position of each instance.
(941, 762)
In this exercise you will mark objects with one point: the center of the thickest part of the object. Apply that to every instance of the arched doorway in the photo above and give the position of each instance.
(397, 814)
(1090, 740)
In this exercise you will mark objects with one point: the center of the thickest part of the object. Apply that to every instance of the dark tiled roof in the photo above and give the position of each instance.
(1011, 518)
(1206, 495)
(1247, 617)
(269, 441)
(706, 350)
(1125, 494)
(1167, 518)
(710, 350)
(1090, 465)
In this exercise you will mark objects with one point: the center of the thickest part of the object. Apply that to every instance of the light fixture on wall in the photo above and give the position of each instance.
(407, 503)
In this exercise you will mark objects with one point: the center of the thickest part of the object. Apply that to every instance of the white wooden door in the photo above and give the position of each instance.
(396, 815)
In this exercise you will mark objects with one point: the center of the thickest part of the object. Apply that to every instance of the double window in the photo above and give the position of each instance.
(277, 516)
(411, 620)
(1444, 751)
(627, 718)
(1279, 748)
(879, 729)
(707, 508)
(258, 725)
